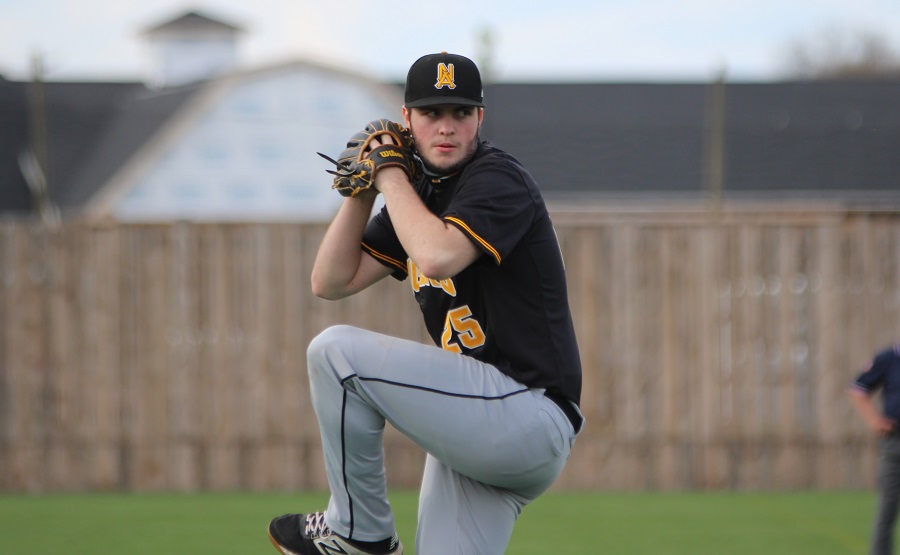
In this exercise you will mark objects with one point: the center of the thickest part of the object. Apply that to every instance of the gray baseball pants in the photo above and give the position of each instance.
(888, 496)
(493, 445)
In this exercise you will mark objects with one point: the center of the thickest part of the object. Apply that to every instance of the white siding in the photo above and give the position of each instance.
(252, 156)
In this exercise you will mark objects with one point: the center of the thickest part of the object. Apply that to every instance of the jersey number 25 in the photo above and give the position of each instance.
(467, 330)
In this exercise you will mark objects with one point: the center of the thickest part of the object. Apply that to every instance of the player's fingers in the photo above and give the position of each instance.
(374, 142)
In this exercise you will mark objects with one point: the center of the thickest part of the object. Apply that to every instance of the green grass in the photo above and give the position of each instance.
(565, 523)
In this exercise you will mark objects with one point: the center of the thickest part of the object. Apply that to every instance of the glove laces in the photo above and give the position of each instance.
(316, 527)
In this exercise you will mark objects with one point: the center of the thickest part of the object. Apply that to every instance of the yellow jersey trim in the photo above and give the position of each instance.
(475, 236)
(385, 258)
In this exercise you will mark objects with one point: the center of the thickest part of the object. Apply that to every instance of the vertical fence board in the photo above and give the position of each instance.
(710, 416)
(70, 387)
(26, 336)
(291, 414)
(183, 338)
(99, 303)
(7, 374)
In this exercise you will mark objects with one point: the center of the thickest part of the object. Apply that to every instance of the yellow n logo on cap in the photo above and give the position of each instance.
(445, 76)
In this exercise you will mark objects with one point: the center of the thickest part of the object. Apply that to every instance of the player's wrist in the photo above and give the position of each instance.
(365, 197)
(388, 178)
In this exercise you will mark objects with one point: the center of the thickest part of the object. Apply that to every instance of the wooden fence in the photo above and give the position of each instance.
(717, 349)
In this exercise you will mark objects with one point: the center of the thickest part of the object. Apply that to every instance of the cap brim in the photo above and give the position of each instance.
(437, 100)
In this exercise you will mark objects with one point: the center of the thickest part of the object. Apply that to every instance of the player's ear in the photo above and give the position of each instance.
(405, 112)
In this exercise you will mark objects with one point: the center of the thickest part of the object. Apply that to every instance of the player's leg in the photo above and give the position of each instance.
(468, 414)
(351, 432)
(888, 497)
(358, 510)
(460, 516)
(472, 417)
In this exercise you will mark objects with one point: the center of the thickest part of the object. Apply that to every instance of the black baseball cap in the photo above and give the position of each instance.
(443, 79)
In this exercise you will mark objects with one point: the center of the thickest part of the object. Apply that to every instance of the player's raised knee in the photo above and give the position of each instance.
(331, 344)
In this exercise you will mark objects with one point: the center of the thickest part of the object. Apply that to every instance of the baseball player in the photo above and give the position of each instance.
(494, 403)
(883, 374)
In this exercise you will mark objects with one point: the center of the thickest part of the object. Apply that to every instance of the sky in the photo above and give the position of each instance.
(547, 40)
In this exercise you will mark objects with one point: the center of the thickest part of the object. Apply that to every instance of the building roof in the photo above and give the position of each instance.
(136, 120)
(836, 139)
(241, 146)
(192, 21)
(77, 116)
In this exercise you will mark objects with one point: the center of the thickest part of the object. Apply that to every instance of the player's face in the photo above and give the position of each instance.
(446, 135)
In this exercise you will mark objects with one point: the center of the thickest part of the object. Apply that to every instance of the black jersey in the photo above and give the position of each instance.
(884, 374)
(510, 307)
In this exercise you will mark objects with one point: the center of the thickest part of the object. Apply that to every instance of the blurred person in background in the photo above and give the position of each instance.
(883, 374)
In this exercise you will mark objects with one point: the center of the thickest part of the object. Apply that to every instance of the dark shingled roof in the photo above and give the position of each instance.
(76, 115)
(137, 119)
(192, 20)
(841, 137)
(838, 139)
(14, 194)
(586, 137)
(813, 136)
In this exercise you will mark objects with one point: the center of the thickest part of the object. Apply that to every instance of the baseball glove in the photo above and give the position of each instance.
(356, 168)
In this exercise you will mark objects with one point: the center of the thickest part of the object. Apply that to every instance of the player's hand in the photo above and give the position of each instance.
(883, 426)
(382, 145)
(378, 141)
(386, 173)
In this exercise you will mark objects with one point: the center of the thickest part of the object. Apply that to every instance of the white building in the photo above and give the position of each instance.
(240, 146)
(191, 47)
